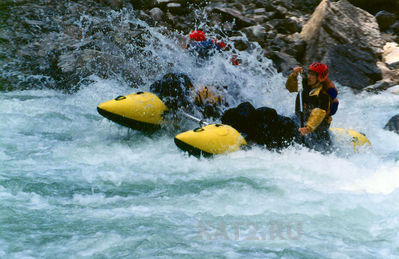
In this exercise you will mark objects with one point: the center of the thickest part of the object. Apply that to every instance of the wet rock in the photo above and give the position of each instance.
(297, 49)
(255, 33)
(259, 11)
(352, 66)
(391, 55)
(232, 14)
(393, 124)
(379, 87)
(277, 43)
(389, 75)
(341, 23)
(286, 26)
(283, 62)
(260, 18)
(280, 12)
(347, 39)
(145, 17)
(239, 43)
(385, 19)
(270, 15)
(156, 14)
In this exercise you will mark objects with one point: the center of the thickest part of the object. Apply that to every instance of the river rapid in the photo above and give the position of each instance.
(73, 184)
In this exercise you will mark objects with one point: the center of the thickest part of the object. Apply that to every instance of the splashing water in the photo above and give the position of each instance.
(73, 184)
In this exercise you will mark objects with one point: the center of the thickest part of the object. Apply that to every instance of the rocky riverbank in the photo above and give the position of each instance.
(360, 45)
(355, 38)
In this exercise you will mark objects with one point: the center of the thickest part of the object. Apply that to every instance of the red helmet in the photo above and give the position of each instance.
(197, 35)
(320, 69)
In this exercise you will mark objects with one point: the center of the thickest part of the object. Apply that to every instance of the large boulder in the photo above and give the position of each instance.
(393, 124)
(347, 39)
(352, 66)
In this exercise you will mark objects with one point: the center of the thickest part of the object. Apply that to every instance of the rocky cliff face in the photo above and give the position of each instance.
(347, 39)
(44, 37)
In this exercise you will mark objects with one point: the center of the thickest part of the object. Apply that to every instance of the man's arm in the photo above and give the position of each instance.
(317, 115)
(292, 81)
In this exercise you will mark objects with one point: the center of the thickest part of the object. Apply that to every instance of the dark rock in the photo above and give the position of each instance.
(143, 4)
(176, 8)
(271, 34)
(156, 14)
(259, 11)
(283, 62)
(374, 6)
(239, 43)
(270, 15)
(277, 43)
(306, 6)
(286, 26)
(231, 14)
(269, 6)
(115, 4)
(260, 18)
(255, 33)
(145, 17)
(395, 27)
(379, 87)
(280, 11)
(385, 19)
(297, 50)
(393, 124)
(352, 66)
(347, 39)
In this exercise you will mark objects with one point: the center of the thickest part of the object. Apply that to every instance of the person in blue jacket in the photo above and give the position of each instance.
(204, 48)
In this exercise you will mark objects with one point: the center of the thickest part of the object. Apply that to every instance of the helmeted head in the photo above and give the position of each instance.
(197, 35)
(320, 69)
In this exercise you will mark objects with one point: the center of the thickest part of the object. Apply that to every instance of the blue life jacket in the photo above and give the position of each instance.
(203, 49)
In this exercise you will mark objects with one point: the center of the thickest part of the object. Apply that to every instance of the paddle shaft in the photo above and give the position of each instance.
(300, 90)
(191, 117)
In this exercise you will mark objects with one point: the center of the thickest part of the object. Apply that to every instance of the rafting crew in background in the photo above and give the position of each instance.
(204, 48)
(320, 102)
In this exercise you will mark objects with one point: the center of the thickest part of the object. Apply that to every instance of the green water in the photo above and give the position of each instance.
(73, 184)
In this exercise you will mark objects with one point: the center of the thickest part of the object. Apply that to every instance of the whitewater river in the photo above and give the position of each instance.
(73, 184)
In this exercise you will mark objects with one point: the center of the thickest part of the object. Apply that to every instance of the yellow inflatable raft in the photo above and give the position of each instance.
(210, 140)
(141, 110)
(358, 139)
